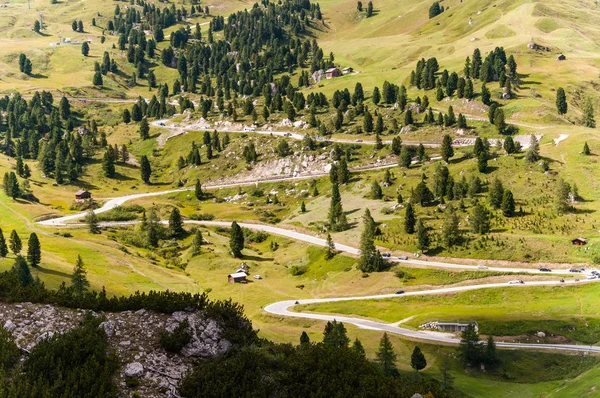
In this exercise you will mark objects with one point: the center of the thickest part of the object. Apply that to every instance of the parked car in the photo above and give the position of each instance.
(562, 280)
(161, 123)
(576, 279)
(574, 270)
(257, 277)
(287, 135)
(402, 258)
(400, 292)
(545, 269)
(516, 282)
(386, 255)
(481, 266)
(358, 140)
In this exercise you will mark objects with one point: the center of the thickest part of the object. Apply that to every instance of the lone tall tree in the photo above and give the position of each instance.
(3, 247)
(417, 359)
(197, 242)
(370, 259)
(236, 240)
(34, 250)
(15, 242)
(79, 281)
(175, 222)
(145, 169)
(386, 357)
(447, 150)
(85, 48)
(92, 222)
(144, 129)
(423, 239)
(23, 272)
(561, 101)
(198, 190)
(409, 219)
(588, 114)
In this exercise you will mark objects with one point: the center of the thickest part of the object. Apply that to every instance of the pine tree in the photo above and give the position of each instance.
(144, 129)
(21, 269)
(176, 222)
(331, 252)
(370, 259)
(304, 339)
(126, 116)
(561, 101)
(499, 121)
(486, 96)
(15, 242)
(197, 242)
(108, 163)
(586, 149)
(409, 219)
(447, 150)
(145, 169)
(533, 154)
(588, 114)
(34, 250)
(3, 247)
(450, 231)
(336, 217)
(92, 222)
(423, 239)
(491, 355)
(85, 49)
(405, 157)
(97, 80)
(358, 348)
(469, 348)
(417, 359)
(386, 357)
(482, 162)
(496, 193)
(376, 191)
(480, 220)
(79, 281)
(508, 203)
(236, 240)
(198, 190)
(335, 335)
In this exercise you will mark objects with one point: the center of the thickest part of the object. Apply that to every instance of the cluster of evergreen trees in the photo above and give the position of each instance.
(334, 367)
(39, 130)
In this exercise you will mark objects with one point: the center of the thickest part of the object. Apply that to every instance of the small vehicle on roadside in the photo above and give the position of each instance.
(400, 292)
(516, 282)
(481, 266)
(574, 270)
(386, 255)
(257, 277)
(402, 258)
(562, 280)
(358, 140)
(545, 269)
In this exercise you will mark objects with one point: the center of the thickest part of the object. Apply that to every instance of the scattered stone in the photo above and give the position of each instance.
(134, 369)
(9, 326)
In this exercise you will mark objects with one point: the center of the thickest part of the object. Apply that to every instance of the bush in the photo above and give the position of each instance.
(175, 341)
(297, 270)
(202, 217)
(121, 213)
(255, 236)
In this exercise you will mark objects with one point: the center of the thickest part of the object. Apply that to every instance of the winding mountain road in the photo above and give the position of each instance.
(282, 308)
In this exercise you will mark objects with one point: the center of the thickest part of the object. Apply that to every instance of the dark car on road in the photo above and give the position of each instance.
(400, 292)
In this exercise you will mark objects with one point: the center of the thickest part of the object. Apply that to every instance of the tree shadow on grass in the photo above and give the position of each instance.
(48, 271)
(255, 258)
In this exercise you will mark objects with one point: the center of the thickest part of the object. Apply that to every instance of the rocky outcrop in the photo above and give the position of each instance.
(134, 336)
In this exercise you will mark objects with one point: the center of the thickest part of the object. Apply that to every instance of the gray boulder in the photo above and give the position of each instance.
(134, 369)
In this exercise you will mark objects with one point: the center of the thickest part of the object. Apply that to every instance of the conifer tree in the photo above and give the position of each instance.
(15, 242)
(236, 240)
(370, 259)
(198, 190)
(417, 359)
(92, 222)
(176, 222)
(34, 250)
(358, 348)
(22, 271)
(145, 169)
(480, 219)
(423, 239)
(331, 252)
(376, 191)
(144, 129)
(3, 247)
(304, 339)
(386, 357)
(409, 219)
(447, 150)
(79, 281)
(586, 149)
(508, 203)
(561, 101)
(450, 231)
(197, 242)
(588, 114)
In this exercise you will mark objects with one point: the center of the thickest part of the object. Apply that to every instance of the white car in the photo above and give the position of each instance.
(481, 266)
(516, 282)
(257, 277)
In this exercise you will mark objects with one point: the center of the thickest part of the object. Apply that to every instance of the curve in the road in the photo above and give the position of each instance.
(282, 308)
